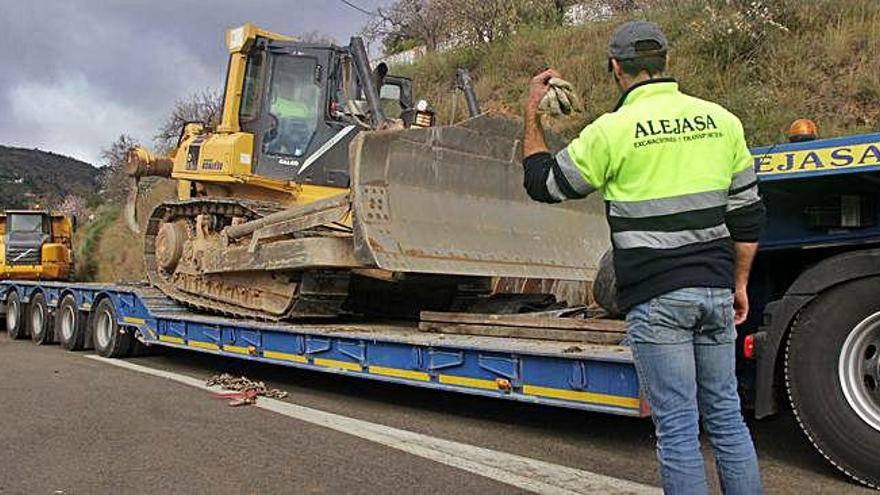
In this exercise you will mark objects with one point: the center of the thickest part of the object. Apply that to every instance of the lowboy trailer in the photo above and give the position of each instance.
(812, 342)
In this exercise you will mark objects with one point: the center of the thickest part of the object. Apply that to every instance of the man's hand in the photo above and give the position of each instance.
(740, 305)
(538, 87)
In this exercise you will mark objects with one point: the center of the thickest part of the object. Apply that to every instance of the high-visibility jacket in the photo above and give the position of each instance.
(678, 182)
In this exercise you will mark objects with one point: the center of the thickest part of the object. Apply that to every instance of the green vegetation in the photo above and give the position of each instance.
(87, 239)
(769, 62)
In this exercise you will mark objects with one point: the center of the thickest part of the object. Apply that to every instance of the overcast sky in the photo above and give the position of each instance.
(77, 73)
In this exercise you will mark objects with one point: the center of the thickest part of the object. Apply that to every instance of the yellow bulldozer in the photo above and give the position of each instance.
(35, 245)
(326, 190)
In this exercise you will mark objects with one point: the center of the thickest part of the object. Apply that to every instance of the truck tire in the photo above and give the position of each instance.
(40, 320)
(70, 325)
(15, 325)
(832, 372)
(111, 340)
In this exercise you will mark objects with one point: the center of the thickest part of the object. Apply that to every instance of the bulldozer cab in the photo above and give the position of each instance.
(304, 102)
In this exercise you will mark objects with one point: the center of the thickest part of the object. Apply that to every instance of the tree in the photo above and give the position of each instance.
(407, 23)
(113, 180)
(202, 106)
(317, 37)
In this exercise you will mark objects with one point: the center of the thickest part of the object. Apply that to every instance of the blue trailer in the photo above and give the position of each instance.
(812, 342)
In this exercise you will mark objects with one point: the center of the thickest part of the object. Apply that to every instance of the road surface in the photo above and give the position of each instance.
(70, 423)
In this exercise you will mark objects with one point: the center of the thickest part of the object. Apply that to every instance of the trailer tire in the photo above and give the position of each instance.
(70, 325)
(40, 320)
(834, 387)
(15, 325)
(111, 340)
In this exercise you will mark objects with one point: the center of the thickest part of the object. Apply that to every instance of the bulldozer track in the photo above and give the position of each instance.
(189, 209)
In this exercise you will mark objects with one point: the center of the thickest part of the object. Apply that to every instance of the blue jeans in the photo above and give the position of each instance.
(683, 343)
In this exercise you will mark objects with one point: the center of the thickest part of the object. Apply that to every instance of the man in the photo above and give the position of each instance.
(684, 211)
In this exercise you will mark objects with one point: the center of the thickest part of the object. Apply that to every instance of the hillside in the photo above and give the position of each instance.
(769, 62)
(29, 177)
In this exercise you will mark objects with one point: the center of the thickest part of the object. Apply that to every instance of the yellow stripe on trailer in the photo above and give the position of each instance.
(400, 373)
(203, 345)
(284, 356)
(134, 321)
(333, 363)
(237, 349)
(171, 340)
(468, 382)
(580, 396)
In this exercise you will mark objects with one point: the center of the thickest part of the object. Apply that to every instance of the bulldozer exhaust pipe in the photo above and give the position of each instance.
(362, 64)
(464, 83)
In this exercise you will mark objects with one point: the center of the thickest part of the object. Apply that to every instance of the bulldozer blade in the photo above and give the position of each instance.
(450, 200)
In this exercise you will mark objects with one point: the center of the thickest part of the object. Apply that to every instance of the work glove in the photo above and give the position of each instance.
(561, 99)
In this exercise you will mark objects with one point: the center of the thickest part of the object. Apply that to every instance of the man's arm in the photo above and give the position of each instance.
(744, 218)
(534, 142)
(744, 255)
(546, 178)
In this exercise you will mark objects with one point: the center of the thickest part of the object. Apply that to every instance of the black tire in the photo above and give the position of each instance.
(15, 325)
(820, 349)
(70, 325)
(605, 286)
(110, 340)
(39, 320)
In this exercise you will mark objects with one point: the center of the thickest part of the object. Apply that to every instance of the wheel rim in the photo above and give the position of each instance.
(37, 318)
(67, 320)
(12, 316)
(859, 370)
(104, 331)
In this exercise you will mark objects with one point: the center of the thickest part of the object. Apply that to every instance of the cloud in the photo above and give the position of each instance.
(81, 72)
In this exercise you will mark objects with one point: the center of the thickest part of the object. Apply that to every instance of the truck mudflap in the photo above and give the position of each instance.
(450, 200)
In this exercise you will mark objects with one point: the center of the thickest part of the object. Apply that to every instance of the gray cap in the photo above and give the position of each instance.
(623, 42)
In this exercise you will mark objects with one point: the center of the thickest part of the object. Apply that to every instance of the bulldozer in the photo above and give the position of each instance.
(35, 245)
(326, 190)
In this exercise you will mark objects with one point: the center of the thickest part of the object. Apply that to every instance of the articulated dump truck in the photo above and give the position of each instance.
(326, 190)
(35, 245)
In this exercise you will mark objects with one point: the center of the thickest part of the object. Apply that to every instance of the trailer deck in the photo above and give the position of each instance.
(576, 375)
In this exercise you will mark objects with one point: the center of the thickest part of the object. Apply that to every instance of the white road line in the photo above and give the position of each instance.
(522, 472)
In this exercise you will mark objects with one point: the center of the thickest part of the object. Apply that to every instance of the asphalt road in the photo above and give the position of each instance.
(69, 424)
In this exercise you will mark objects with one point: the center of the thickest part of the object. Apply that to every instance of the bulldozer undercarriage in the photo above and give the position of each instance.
(251, 259)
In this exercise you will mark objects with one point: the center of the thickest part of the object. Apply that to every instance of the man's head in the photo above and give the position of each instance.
(636, 52)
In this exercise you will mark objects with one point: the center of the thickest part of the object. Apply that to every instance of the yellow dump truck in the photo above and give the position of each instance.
(35, 245)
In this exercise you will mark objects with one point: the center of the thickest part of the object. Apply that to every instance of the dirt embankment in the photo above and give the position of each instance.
(106, 250)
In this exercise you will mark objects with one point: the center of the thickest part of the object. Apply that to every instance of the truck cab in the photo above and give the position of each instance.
(35, 245)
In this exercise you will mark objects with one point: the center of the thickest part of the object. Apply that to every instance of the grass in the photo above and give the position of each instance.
(826, 67)
(107, 251)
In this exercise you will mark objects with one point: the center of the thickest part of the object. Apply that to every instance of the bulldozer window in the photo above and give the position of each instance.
(252, 84)
(294, 102)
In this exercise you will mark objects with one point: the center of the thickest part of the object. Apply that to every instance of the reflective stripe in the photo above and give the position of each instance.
(743, 177)
(573, 174)
(667, 240)
(743, 198)
(553, 187)
(667, 206)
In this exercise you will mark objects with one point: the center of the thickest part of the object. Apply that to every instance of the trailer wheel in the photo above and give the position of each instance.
(40, 320)
(110, 339)
(70, 325)
(832, 371)
(15, 326)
